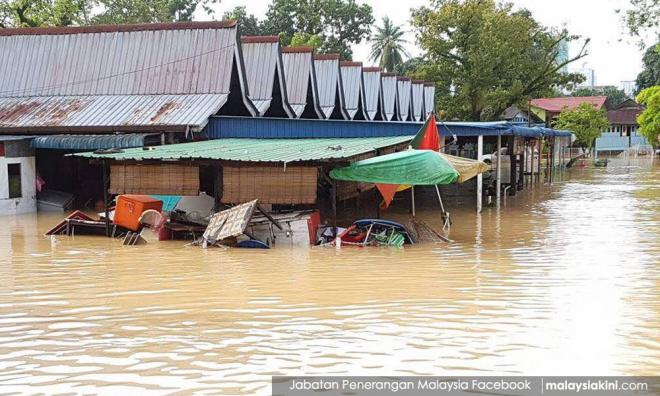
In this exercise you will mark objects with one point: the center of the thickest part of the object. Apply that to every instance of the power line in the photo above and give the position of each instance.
(91, 80)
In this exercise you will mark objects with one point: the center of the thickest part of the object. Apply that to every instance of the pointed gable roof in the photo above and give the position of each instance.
(351, 78)
(263, 69)
(328, 82)
(371, 82)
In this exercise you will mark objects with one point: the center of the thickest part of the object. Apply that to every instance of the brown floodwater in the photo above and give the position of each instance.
(563, 280)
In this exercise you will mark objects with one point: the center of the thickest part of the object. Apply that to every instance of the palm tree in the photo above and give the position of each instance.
(388, 45)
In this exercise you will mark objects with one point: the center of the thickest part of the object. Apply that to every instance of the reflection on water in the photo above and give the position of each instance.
(564, 280)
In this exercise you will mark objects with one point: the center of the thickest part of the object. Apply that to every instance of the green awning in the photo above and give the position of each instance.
(410, 167)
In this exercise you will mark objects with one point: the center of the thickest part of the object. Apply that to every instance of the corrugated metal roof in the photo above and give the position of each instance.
(429, 99)
(403, 91)
(371, 81)
(328, 82)
(121, 62)
(389, 96)
(263, 63)
(417, 100)
(108, 111)
(559, 104)
(259, 150)
(89, 142)
(351, 77)
(8, 138)
(299, 75)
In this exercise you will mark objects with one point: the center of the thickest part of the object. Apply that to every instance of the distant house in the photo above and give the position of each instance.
(623, 128)
(548, 108)
(514, 114)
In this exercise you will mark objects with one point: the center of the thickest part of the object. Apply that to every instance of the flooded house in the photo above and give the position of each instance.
(180, 108)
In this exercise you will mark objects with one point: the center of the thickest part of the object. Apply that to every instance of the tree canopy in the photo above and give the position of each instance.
(484, 57)
(650, 74)
(642, 16)
(586, 121)
(33, 13)
(649, 119)
(338, 23)
(249, 24)
(614, 94)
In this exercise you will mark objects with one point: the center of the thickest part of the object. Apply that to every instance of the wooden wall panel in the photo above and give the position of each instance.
(163, 179)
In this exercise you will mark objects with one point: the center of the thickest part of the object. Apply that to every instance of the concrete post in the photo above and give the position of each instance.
(498, 182)
(480, 153)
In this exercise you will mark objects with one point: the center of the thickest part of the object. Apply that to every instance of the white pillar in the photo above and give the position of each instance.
(498, 182)
(480, 153)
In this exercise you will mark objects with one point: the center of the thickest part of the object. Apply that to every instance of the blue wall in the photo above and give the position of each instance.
(251, 127)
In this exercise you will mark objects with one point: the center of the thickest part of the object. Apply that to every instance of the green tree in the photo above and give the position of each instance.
(650, 74)
(149, 11)
(649, 119)
(248, 23)
(339, 23)
(33, 13)
(642, 16)
(484, 57)
(586, 121)
(614, 94)
(388, 45)
(300, 39)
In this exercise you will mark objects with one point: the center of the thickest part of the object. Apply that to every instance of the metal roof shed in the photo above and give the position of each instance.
(353, 87)
(264, 72)
(403, 91)
(417, 100)
(389, 96)
(258, 150)
(300, 80)
(328, 82)
(371, 81)
(429, 98)
(120, 77)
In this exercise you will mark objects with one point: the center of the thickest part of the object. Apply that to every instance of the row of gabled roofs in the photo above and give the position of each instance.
(173, 77)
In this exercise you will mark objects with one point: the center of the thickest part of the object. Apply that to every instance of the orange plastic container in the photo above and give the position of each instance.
(130, 207)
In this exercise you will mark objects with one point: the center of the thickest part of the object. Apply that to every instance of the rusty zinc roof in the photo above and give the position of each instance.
(108, 112)
(263, 68)
(190, 59)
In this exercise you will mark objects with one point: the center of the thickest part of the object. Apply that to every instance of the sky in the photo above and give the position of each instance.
(613, 55)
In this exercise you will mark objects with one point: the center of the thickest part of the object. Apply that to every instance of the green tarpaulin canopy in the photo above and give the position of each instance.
(411, 167)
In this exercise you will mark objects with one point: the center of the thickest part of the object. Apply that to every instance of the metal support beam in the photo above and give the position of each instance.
(412, 200)
(538, 166)
(334, 209)
(498, 180)
(480, 153)
(105, 198)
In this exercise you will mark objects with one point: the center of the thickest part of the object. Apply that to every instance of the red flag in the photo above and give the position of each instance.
(427, 138)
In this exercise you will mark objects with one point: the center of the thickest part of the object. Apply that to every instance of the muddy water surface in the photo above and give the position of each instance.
(563, 280)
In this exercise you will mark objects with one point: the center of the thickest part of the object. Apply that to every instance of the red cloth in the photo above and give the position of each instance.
(427, 138)
(387, 191)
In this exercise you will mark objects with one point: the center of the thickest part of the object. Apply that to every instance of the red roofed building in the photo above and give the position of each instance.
(548, 108)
